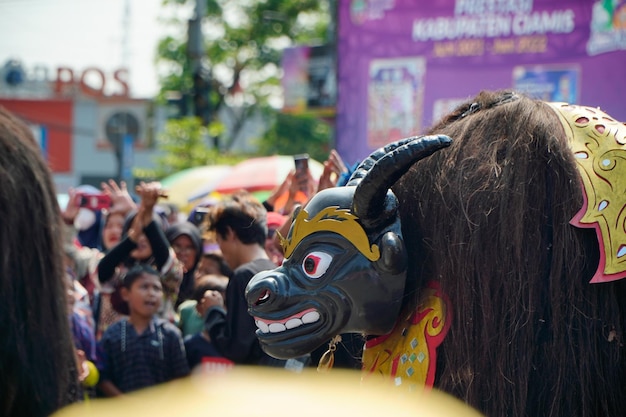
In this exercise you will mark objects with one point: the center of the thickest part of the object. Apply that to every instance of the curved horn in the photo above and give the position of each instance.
(384, 170)
(367, 164)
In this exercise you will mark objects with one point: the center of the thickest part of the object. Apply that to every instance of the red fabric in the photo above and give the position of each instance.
(253, 174)
(275, 220)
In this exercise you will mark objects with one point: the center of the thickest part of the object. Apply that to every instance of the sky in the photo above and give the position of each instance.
(85, 33)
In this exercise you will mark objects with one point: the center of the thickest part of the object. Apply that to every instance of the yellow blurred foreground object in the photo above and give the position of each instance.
(93, 377)
(255, 391)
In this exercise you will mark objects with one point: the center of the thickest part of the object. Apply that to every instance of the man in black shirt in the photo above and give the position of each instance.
(240, 227)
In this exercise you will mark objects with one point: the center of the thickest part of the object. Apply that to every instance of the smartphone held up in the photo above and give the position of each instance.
(94, 202)
(301, 163)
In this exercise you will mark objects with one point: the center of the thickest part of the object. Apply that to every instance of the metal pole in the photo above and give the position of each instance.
(201, 77)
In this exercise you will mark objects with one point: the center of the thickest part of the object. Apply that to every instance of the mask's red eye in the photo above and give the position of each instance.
(315, 264)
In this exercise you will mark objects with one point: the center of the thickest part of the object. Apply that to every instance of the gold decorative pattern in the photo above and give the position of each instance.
(599, 145)
(408, 353)
(330, 219)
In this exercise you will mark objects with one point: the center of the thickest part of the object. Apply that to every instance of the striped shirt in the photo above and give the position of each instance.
(132, 361)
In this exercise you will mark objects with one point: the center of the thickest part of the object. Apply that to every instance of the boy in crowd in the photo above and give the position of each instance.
(141, 350)
(198, 345)
(191, 312)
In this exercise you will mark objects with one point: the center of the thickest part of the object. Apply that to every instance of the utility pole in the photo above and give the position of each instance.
(126, 36)
(122, 128)
(200, 74)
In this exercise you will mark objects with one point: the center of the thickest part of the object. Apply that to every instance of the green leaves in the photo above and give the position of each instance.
(294, 134)
(186, 143)
(243, 42)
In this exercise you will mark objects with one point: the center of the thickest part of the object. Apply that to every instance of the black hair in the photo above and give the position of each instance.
(489, 219)
(224, 268)
(242, 213)
(37, 367)
(208, 283)
(136, 272)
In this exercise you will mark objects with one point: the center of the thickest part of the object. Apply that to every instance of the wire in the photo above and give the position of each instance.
(54, 126)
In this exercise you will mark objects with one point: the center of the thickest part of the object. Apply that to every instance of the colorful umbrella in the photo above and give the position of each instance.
(262, 174)
(182, 185)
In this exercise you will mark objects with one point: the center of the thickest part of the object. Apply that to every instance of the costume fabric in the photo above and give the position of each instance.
(132, 361)
(409, 353)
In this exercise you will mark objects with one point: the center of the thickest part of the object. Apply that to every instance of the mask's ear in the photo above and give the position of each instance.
(393, 257)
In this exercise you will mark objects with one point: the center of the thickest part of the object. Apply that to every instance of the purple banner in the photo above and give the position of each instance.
(308, 81)
(402, 66)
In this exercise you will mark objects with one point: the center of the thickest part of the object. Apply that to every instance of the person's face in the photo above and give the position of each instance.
(112, 232)
(228, 248)
(185, 251)
(144, 296)
(202, 306)
(143, 249)
(207, 266)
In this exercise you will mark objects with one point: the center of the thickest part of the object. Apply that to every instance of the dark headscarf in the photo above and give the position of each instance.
(191, 230)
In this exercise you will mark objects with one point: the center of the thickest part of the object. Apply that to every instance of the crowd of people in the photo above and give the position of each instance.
(108, 301)
(157, 295)
(135, 296)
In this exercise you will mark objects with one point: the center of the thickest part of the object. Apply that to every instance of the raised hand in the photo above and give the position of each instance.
(280, 190)
(121, 200)
(149, 194)
(73, 205)
(333, 168)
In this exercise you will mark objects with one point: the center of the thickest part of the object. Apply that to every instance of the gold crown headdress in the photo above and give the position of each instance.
(599, 145)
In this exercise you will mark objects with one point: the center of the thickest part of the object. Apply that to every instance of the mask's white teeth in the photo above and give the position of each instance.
(291, 323)
(277, 328)
(262, 326)
(311, 317)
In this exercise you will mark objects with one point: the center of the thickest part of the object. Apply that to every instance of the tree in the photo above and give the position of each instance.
(184, 145)
(244, 40)
(294, 134)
